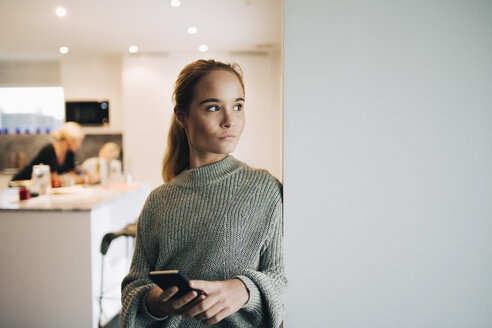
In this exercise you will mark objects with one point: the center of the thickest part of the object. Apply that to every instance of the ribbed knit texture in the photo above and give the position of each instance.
(214, 222)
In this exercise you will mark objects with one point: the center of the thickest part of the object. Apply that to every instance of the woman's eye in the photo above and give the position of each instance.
(238, 107)
(213, 108)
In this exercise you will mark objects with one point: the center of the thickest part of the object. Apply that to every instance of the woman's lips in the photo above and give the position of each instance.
(227, 137)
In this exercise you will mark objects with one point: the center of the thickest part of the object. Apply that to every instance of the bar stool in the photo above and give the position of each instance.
(129, 231)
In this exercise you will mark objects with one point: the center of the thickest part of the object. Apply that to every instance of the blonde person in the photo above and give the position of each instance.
(105, 164)
(216, 219)
(59, 154)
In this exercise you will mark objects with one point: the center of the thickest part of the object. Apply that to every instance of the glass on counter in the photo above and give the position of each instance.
(41, 179)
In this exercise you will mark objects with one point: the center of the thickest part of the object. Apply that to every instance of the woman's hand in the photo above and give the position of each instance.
(223, 298)
(159, 301)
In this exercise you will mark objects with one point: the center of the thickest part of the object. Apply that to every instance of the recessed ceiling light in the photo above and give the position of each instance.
(63, 50)
(192, 30)
(203, 48)
(175, 3)
(133, 49)
(61, 12)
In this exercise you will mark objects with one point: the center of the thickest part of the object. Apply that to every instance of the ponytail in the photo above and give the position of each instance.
(177, 156)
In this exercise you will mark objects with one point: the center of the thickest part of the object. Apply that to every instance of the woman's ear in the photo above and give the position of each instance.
(180, 117)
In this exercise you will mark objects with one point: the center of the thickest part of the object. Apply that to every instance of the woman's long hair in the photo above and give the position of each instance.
(177, 156)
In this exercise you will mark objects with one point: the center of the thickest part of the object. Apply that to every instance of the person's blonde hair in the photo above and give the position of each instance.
(69, 130)
(177, 156)
(110, 151)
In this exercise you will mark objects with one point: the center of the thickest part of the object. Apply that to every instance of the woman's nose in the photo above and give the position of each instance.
(227, 121)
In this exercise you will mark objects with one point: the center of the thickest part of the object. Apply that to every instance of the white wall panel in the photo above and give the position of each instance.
(388, 163)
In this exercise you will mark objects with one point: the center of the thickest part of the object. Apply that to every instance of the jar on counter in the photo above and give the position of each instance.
(24, 193)
(41, 178)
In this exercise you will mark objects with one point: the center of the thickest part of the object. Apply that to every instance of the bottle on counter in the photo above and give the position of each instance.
(21, 160)
(13, 160)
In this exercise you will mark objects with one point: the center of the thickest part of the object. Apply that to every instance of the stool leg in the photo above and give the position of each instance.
(101, 292)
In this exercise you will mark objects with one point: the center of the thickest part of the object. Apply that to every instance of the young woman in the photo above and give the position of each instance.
(216, 219)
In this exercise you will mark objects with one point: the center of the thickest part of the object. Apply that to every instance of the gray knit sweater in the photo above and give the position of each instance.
(214, 222)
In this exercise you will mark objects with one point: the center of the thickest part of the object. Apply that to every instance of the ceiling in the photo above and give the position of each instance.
(29, 29)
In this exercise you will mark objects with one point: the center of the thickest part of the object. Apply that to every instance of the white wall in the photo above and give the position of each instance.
(146, 93)
(95, 78)
(148, 82)
(388, 163)
(29, 73)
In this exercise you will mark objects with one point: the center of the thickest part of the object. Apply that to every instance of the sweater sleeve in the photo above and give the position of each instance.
(267, 285)
(136, 285)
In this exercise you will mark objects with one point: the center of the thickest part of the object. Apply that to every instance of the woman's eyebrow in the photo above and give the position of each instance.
(208, 100)
(216, 100)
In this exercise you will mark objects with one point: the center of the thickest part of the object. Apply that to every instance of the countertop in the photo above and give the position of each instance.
(76, 198)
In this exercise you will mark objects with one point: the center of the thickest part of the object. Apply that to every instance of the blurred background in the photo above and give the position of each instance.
(125, 56)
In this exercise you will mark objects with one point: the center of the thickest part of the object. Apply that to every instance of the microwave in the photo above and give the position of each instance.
(92, 113)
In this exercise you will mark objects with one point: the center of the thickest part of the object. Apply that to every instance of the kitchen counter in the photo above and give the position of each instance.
(51, 264)
(76, 198)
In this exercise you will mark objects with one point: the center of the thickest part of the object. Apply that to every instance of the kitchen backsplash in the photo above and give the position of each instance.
(23, 147)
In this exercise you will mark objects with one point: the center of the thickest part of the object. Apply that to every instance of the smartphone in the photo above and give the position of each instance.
(169, 278)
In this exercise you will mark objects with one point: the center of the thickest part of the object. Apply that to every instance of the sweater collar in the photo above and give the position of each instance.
(207, 174)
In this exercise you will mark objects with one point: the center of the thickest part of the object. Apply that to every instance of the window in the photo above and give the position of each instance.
(31, 109)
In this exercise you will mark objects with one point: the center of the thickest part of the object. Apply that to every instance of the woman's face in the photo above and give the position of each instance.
(74, 144)
(215, 119)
